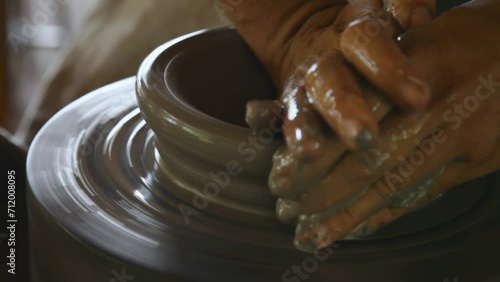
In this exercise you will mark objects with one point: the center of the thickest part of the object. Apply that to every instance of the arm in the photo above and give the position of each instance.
(269, 26)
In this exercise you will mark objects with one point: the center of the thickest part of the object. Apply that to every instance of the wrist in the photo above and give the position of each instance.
(277, 30)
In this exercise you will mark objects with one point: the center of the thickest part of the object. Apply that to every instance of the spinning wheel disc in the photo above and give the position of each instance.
(102, 200)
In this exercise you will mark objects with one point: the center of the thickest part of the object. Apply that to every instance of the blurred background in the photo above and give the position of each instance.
(54, 51)
(24, 60)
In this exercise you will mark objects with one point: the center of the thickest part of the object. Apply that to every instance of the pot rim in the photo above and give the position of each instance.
(160, 102)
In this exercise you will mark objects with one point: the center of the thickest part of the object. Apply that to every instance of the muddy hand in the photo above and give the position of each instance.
(317, 68)
(419, 155)
(320, 73)
(336, 95)
(411, 14)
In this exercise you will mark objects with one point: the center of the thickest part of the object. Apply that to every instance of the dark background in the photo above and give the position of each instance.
(13, 158)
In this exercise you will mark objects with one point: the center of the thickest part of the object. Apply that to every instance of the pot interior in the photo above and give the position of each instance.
(218, 78)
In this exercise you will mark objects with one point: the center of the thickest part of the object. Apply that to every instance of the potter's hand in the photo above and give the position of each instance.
(327, 35)
(333, 88)
(419, 155)
(353, 116)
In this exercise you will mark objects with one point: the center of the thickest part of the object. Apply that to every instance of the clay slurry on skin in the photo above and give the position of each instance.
(302, 121)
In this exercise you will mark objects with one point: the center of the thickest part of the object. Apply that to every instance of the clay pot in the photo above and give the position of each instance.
(197, 115)
(181, 195)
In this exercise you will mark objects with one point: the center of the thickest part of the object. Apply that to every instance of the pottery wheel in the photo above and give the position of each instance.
(100, 201)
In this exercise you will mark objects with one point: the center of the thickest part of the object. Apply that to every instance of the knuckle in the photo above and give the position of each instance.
(361, 32)
(387, 189)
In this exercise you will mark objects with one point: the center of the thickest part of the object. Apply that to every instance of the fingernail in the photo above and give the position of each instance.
(307, 141)
(279, 154)
(415, 93)
(260, 113)
(308, 244)
(364, 139)
(280, 186)
(279, 180)
(358, 138)
(311, 235)
(420, 17)
(253, 114)
(308, 150)
(323, 244)
(287, 211)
